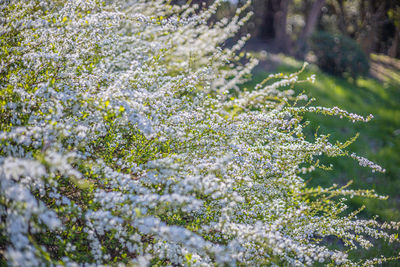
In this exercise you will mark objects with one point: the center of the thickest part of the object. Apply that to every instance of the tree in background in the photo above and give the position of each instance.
(286, 26)
(365, 21)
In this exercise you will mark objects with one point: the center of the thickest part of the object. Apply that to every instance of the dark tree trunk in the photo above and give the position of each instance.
(267, 31)
(309, 27)
(395, 44)
(282, 39)
(374, 18)
(341, 14)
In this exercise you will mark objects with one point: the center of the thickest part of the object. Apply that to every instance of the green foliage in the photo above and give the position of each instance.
(338, 54)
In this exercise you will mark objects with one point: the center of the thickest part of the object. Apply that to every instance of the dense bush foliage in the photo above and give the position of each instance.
(125, 139)
(338, 54)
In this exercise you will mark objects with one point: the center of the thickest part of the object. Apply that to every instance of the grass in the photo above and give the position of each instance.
(379, 139)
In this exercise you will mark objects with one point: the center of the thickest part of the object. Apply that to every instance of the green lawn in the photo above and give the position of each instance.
(379, 139)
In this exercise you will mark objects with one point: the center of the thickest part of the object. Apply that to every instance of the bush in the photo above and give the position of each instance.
(338, 54)
(124, 140)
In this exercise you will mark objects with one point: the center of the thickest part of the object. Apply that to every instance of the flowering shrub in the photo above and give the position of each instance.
(125, 139)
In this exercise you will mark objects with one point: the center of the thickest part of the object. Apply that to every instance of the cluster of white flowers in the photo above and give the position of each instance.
(125, 139)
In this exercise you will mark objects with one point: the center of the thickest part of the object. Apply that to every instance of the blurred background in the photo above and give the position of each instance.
(354, 50)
